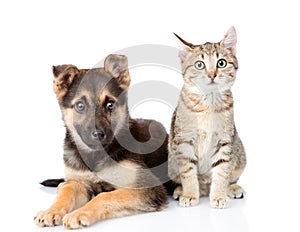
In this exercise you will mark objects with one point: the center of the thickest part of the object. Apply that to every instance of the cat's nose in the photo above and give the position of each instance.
(212, 75)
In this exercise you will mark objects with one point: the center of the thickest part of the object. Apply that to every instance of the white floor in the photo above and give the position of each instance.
(257, 212)
(38, 34)
(176, 218)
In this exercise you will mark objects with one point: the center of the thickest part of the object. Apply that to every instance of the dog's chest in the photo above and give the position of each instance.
(116, 175)
(120, 174)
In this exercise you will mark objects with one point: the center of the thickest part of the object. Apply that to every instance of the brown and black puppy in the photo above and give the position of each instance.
(114, 165)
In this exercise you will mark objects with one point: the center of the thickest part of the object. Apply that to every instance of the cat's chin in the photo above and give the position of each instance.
(213, 88)
(212, 84)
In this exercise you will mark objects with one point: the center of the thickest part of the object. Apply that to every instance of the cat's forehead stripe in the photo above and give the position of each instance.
(201, 56)
(208, 49)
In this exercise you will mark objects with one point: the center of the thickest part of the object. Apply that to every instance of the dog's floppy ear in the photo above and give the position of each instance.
(63, 77)
(117, 66)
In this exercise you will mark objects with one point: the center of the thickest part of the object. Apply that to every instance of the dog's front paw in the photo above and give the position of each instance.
(219, 202)
(50, 217)
(77, 219)
(186, 201)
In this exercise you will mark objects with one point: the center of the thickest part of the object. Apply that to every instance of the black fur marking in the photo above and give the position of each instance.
(220, 161)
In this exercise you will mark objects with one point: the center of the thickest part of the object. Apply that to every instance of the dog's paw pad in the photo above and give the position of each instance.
(186, 201)
(49, 218)
(219, 202)
(235, 191)
(76, 220)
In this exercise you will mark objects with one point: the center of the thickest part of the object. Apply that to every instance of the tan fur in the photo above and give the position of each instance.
(104, 206)
(99, 166)
(118, 175)
(206, 155)
(192, 101)
(82, 92)
(68, 119)
(74, 194)
(103, 96)
(71, 195)
(61, 82)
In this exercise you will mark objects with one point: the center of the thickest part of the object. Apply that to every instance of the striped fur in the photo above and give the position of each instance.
(206, 155)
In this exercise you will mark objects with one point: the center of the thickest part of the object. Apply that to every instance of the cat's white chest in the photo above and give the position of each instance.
(207, 128)
(210, 132)
(210, 122)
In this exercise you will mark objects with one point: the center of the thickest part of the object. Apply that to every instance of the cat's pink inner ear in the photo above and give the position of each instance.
(184, 48)
(229, 40)
(183, 52)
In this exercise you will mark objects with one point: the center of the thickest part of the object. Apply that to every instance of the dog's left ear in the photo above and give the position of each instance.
(117, 66)
(63, 78)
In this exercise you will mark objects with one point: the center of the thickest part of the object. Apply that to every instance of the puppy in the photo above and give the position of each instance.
(114, 165)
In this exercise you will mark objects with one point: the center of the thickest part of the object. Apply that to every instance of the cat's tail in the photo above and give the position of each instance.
(52, 182)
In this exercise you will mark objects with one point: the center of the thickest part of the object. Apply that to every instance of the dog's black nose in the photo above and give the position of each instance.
(98, 135)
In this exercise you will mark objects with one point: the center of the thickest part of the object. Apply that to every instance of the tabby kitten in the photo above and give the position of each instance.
(206, 155)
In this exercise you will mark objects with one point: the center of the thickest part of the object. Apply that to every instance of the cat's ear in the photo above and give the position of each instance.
(229, 40)
(184, 48)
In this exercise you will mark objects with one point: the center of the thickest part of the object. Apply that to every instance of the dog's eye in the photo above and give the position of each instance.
(109, 106)
(79, 106)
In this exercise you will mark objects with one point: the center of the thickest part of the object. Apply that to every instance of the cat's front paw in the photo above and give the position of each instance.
(219, 202)
(77, 219)
(50, 217)
(186, 200)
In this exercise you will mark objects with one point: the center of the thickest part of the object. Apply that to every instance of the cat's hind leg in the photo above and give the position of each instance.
(177, 192)
(236, 192)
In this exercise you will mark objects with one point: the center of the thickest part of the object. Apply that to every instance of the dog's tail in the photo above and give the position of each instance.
(169, 185)
(52, 182)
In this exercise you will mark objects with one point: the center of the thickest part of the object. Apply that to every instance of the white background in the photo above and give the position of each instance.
(38, 34)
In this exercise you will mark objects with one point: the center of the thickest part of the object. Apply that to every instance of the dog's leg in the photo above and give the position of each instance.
(121, 202)
(71, 195)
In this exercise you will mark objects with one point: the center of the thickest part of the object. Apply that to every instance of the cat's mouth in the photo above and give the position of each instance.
(212, 82)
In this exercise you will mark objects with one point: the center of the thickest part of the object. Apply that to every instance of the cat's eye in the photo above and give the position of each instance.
(199, 65)
(221, 63)
(79, 106)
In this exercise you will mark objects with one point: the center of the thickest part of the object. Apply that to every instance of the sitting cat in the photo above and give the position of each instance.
(206, 155)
